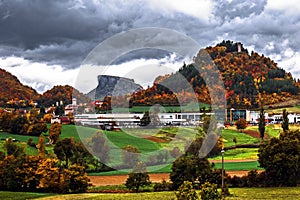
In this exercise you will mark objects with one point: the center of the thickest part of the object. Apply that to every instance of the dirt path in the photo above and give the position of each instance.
(121, 179)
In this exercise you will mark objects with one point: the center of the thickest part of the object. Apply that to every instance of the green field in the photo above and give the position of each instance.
(121, 139)
(294, 109)
(170, 137)
(28, 149)
(229, 166)
(238, 154)
(236, 166)
(242, 138)
(291, 193)
(22, 195)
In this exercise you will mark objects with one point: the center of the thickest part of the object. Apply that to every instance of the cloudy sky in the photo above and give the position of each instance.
(44, 42)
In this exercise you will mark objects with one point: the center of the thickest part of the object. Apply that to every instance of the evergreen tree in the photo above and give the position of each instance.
(145, 119)
(285, 122)
(262, 123)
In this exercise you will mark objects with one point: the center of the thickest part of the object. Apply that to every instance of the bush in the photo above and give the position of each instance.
(209, 192)
(186, 192)
(163, 186)
(241, 124)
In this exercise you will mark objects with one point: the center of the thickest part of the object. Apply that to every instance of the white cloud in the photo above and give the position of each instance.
(291, 7)
(39, 76)
(291, 64)
(201, 9)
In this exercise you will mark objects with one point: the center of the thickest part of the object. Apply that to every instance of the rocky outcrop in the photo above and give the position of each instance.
(113, 86)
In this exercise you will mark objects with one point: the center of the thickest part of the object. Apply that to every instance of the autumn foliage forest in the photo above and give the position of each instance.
(247, 79)
(14, 94)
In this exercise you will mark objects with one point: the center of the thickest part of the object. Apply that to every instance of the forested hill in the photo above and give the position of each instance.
(247, 75)
(12, 91)
(62, 94)
(247, 78)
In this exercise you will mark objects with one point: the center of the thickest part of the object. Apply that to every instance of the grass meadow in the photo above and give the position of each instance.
(151, 141)
(291, 193)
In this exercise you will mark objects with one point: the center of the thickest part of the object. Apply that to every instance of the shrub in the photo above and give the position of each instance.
(186, 192)
(241, 124)
(163, 186)
(209, 192)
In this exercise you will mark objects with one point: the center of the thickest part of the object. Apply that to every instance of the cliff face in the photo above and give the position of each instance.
(113, 86)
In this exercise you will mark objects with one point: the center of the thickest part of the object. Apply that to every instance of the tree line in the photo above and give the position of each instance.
(21, 172)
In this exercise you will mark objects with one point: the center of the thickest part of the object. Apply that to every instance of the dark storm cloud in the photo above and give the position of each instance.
(32, 23)
(57, 31)
(64, 32)
(142, 54)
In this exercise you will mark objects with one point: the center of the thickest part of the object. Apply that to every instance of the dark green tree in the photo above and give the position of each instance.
(42, 112)
(138, 178)
(280, 157)
(190, 168)
(19, 125)
(145, 119)
(65, 150)
(262, 123)
(285, 122)
(59, 110)
(8, 177)
(5, 119)
(12, 148)
(37, 129)
(82, 156)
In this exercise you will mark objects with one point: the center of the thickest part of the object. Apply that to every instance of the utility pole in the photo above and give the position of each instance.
(222, 151)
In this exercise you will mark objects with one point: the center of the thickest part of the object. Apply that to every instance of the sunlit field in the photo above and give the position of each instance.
(291, 193)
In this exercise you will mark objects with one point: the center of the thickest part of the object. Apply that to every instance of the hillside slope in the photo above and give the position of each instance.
(249, 80)
(62, 94)
(12, 90)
